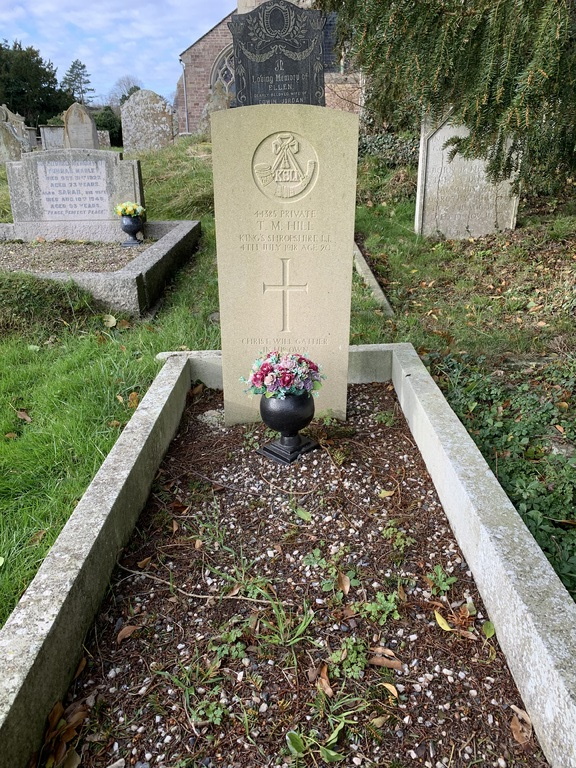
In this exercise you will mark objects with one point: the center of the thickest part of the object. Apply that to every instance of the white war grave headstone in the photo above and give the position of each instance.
(147, 122)
(455, 199)
(71, 193)
(79, 128)
(284, 189)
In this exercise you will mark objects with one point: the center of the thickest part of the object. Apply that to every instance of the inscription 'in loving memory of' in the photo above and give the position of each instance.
(74, 191)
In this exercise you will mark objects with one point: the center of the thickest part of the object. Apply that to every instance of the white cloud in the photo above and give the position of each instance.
(113, 40)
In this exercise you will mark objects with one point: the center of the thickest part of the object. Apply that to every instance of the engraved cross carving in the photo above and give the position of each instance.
(285, 289)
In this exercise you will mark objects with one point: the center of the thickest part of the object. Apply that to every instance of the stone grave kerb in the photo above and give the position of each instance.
(284, 190)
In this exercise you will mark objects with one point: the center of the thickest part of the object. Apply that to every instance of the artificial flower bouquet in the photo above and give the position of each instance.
(129, 209)
(278, 375)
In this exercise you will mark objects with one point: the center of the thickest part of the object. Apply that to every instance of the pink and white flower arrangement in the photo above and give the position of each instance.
(277, 375)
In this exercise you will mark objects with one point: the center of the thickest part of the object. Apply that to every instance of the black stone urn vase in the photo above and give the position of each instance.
(131, 225)
(288, 416)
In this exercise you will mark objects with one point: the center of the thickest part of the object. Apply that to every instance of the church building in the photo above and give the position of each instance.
(207, 80)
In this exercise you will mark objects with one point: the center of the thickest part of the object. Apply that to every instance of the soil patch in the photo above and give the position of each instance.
(269, 615)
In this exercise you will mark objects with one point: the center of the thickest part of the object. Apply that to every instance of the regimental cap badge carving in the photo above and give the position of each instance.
(285, 166)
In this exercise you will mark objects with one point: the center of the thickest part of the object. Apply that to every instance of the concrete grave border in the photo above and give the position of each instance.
(534, 616)
(137, 286)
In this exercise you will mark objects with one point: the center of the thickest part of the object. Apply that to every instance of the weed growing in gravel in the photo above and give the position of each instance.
(380, 609)
(398, 538)
(440, 581)
(350, 659)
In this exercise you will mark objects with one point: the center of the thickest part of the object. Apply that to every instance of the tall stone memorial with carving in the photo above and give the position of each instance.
(278, 55)
(284, 186)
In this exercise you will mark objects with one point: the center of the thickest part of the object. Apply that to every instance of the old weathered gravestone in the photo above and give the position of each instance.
(52, 136)
(79, 128)
(278, 55)
(147, 122)
(284, 188)
(455, 199)
(71, 193)
(10, 145)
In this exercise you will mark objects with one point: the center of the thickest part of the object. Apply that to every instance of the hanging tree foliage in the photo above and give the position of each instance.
(507, 69)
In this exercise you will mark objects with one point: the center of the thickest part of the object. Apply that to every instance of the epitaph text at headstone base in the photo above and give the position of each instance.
(455, 198)
(72, 185)
(278, 55)
(80, 130)
(284, 188)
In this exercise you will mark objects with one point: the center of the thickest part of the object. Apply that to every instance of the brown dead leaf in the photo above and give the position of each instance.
(402, 594)
(126, 631)
(133, 400)
(11, 435)
(198, 544)
(124, 324)
(24, 416)
(391, 689)
(145, 562)
(120, 399)
(384, 657)
(520, 725)
(36, 538)
(343, 582)
(175, 526)
(234, 591)
(197, 390)
(80, 667)
(560, 428)
(323, 683)
(114, 423)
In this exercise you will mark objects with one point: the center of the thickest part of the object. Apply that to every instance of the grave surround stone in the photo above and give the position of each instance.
(79, 128)
(71, 193)
(278, 55)
(284, 187)
(455, 199)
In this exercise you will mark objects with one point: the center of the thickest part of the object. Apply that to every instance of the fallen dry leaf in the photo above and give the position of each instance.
(521, 726)
(323, 683)
(125, 632)
(343, 582)
(145, 562)
(24, 416)
(384, 657)
(133, 400)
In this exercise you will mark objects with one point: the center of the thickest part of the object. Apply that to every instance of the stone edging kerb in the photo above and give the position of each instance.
(137, 286)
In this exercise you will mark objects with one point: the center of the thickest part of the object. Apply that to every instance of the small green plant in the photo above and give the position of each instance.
(380, 609)
(397, 537)
(440, 581)
(335, 579)
(228, 644)
(387, 418)
(350, 659)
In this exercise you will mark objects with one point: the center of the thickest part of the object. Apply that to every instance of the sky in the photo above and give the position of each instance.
(111, 38)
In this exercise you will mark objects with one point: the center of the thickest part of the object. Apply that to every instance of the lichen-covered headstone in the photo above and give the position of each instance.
(10, 145)
(147, 122)
(79, 128)
(455, 198)
(52, 136)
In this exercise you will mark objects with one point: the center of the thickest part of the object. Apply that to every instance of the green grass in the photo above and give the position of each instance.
(470, 308)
